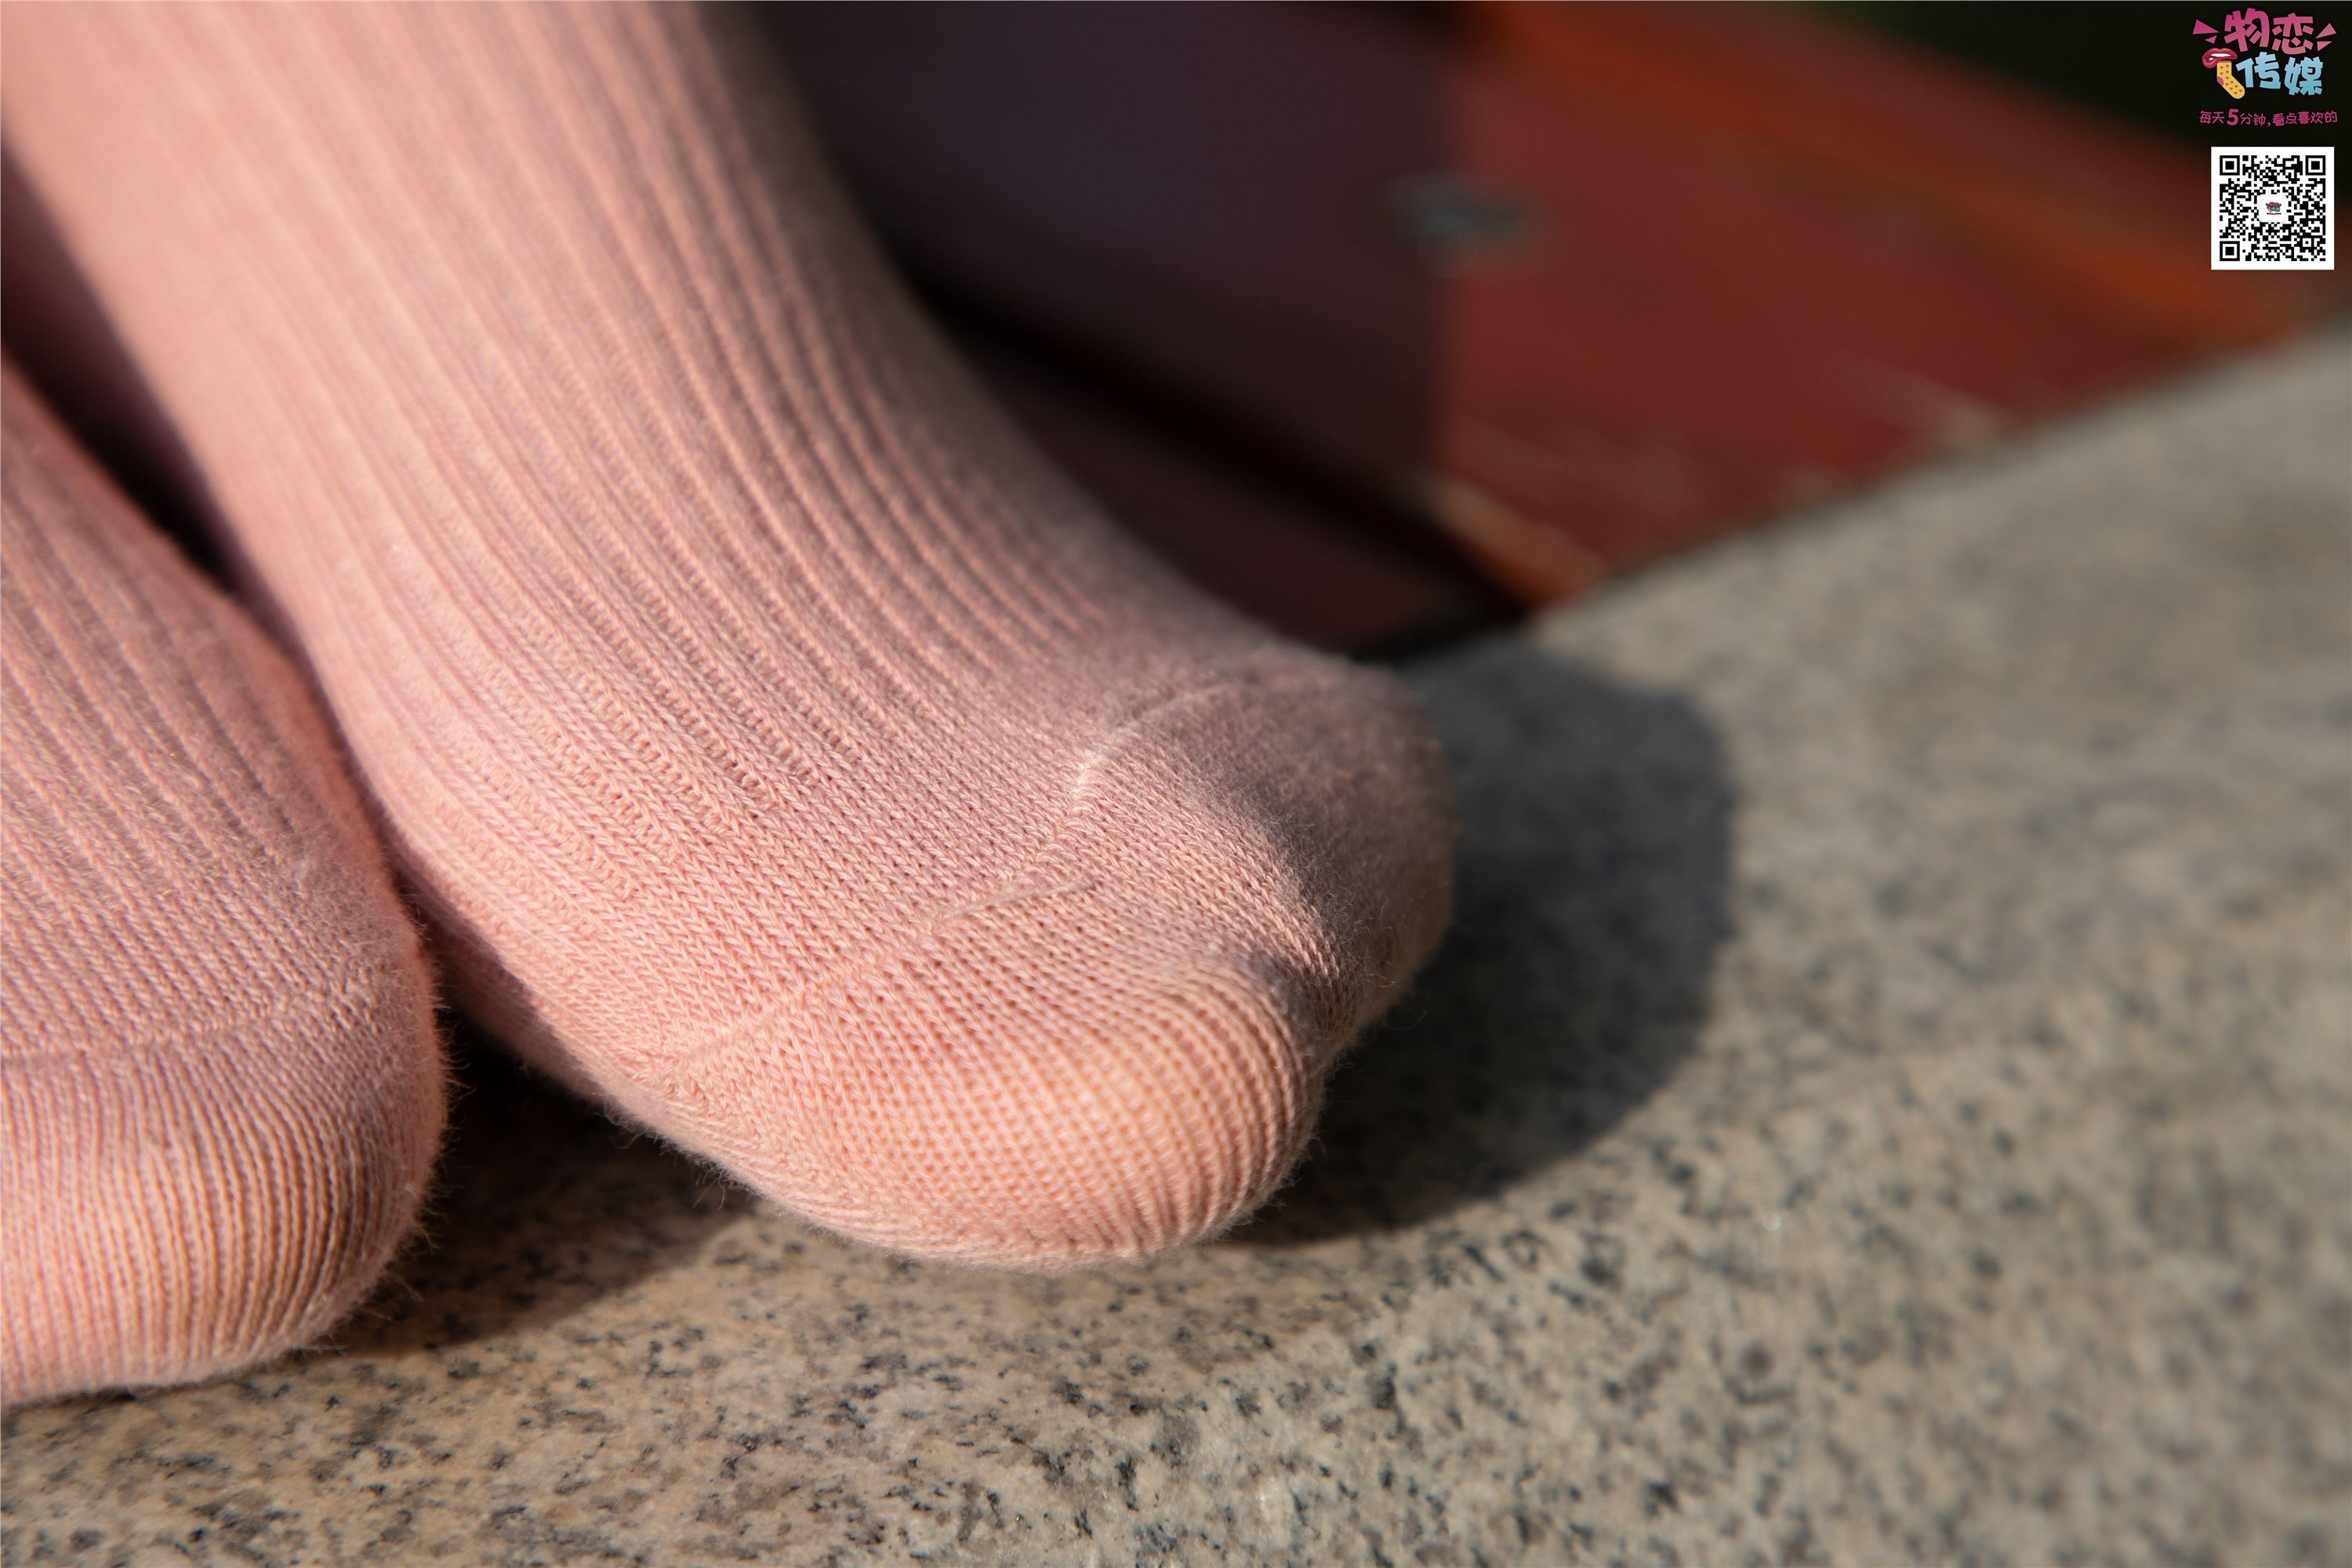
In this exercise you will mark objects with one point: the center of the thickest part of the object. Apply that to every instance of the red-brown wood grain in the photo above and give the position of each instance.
(1577, 285)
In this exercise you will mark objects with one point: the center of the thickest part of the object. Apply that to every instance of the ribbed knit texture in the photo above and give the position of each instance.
(220, 1090)
(788, 756)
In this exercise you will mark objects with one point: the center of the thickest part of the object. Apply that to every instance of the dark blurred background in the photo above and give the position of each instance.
(1389, 323)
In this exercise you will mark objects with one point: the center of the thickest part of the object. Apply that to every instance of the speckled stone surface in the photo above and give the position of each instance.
(1885, 1100)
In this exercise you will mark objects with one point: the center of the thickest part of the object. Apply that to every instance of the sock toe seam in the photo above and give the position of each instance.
(369, 981)
(1008, 891)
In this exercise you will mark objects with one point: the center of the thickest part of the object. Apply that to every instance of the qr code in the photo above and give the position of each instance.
(2273, 207)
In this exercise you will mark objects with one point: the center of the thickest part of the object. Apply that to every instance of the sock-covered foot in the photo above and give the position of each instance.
(788, 756)
(220, 1089)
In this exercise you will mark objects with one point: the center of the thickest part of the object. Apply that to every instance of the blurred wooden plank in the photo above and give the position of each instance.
(1188, 196)
(1299, 563)
(1582, 284)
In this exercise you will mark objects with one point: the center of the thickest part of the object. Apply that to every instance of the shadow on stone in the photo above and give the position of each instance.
(1590, 900)
(541, 1205)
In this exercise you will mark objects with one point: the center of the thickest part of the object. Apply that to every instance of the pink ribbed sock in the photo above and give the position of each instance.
(785, 754)
(220, 1090)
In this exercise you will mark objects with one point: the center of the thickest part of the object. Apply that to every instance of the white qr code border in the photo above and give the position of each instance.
(2226, 166)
